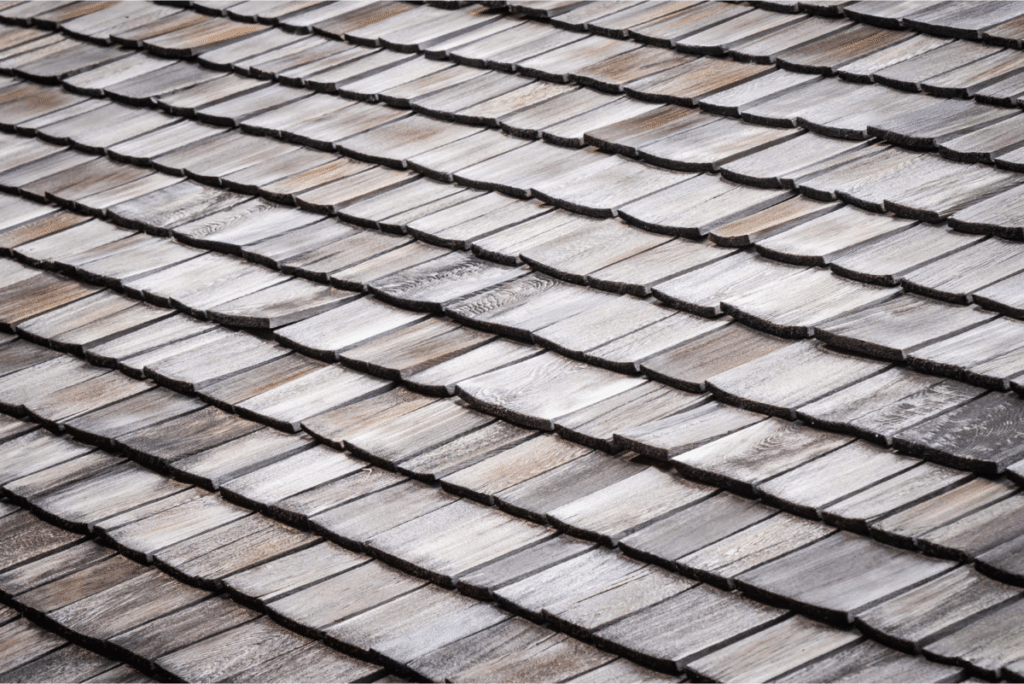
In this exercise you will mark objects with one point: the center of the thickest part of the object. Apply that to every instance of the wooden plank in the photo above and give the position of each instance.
(441, 379)
(180, 437)
(146, 643)
(65, 664)
(986, 645)
(506, 468)
(596, 425)
(667, 437)
(985, 356)
(125, 606)
(702, 290)
(820, 240)
(773, 651)
(24, 642)
(36, 451)
(134, 413)
(910, 619)
(465, 451)
(128, 350)
(836, 577)
(887, 260)
(719, 563)
(264, 583)
(868, 660)
(298, 508)
(48, 376)
(620, 670)
(288, 404)
(414, 348)
(766, 384)
(334, 427)
(237, 456)
(524, 392)
(414, 624)
(657, 638)
(219, 656)
(51, 410)
(19, 355)
(974, 533)
(904, 528)
(605, 517)
(220, 357)
(591, 247)
(350, 593)
(363, 319)
(559, 485)
(241, 224)
(809, 488)
(753, 454)
(144, 537)
(483, 581)
(640, 273)
(237, 388)
(125, 487)
(313, 661)
(289, 476)
(449, 541)
(897, 400)
(170, 207)
(38, 483)
(514, 649)
(431, 285)
(787, 308)
(924, 481)
(206, 559)
(978, 435)
(388, 443)
(85, 582)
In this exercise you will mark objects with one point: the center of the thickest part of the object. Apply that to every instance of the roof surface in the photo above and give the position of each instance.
(526, 341)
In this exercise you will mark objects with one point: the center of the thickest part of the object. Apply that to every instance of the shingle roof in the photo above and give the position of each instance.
(511, 341)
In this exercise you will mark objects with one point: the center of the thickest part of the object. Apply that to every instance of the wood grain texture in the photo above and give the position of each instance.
(654, 637)
(859, 572)
(907, 621)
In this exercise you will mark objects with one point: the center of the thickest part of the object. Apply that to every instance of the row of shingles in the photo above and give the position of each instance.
(405, 284)
(750, 168)
(578, 611)
(919, 341)
(94, 596)
(403, 287)
(810, 254)
(947, 21)
(999, 24)
(828, 46)
(648, 483)
(27, 651)
(613, 172)
(344, 526)
(925, 128)
(199, 538)
(816, 46)
(437, 76)
(796, 101)
(692, 299)
(598, 210)
(817, 98)
(626, 490)
(310, 337)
